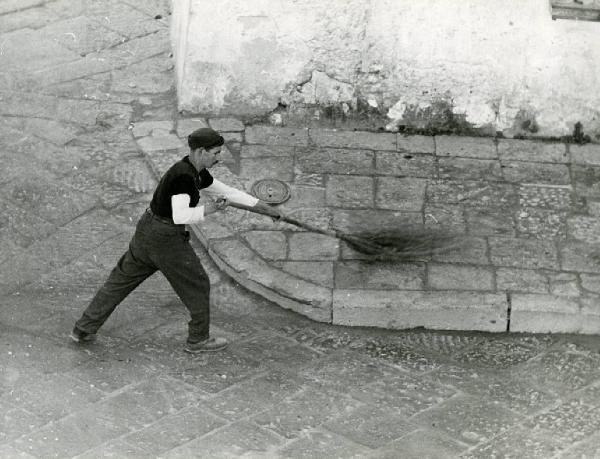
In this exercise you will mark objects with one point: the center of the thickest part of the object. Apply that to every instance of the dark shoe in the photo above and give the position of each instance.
(208, 345)
(80, 336)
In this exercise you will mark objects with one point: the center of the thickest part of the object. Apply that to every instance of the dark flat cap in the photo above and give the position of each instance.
(205, 137)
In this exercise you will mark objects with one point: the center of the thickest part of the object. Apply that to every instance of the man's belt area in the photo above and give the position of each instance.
(168, 221)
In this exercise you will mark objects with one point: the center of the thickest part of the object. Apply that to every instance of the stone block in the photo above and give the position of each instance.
(82, 112)
(266, 151)
(452, 168)
(563, 284)
(518, 443)
(486, 195)
(588, 154)
(481, 222)
(583, 228)
(586, 180)
(523, 253)
(226, 124)
(16, 5)
(527, 150)
(529, 172)
(166, 142)
(590, 282)
(260, 168)
(313, 247)
(422, 443)
(304, 197)
(467, 147)
(350, 191)
(458, 277)
(334, 161)
(147, 128)
(269, 135)
(361, 275)
(353, 139)
(473, 250)
(370, 220)
(557, 197)
(544, 314)
(185, 126)
(270, 245)
(57, 133)
(260, 277)
(400, 309)
(521, 280)
(541, 223)
(415, 144)
(318, 272)
(450, 217)
(580, 257)
(315, 443)
(405, 164)
(396, 193)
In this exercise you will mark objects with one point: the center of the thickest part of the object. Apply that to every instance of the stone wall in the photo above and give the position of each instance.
(437, 66)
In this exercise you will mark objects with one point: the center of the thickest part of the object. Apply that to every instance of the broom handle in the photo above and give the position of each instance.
(290, 220)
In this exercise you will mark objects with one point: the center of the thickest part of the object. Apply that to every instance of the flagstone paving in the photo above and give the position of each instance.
(88, 121)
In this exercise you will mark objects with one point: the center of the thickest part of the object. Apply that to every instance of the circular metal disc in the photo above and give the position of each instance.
(272, 191)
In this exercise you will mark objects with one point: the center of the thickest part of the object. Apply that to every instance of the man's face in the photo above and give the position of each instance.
(209, 156)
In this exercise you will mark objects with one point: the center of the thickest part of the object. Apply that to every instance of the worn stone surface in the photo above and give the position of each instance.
(523, 253)
(520, 150)
(405, 194)
(357, 139)
(450, 277)
(405, 164)
(334, 161)
(469, 169)
(350, 191)
(357, 274)
(529, 172)
(467, 147)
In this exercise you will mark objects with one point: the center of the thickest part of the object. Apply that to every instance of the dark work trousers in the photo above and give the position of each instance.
(156, 245)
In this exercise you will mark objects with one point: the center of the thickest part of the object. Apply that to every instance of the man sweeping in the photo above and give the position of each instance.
(161, 243)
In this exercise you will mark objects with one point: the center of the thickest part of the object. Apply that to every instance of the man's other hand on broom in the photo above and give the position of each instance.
(269, 210)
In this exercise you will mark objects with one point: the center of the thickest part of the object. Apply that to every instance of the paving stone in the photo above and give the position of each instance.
(125, 19)
(371, 426)
(251, 397)
(472, 250)
(469, 169)
(357, 274)
(302, 197)
(496, 354)
(468, 147)
(586, 180)
(408, 309)
(567, 423)
(306, 410)
(317, 443)
(555, 197)
(523, 253)
(578, 256)
(450, 217)
(589, 447)
(226, 124)
(562, 371)
(271, 245)
(162, 160)
(515, 444)
(115, 449)
(16, 422)
(481, 222)
(449, 277)
(564, 284)
(319, 272)
(469, 419)
(166, 142)
(334, 161)
(233, 440)
(68, 396)
(9, 6)
(350, 191)
(357, 221)
(584, 228)
(405, 164)
(266, 151)
(421, 444)
(175, 430)
(588, 154)
(529, 172)
(150, 76)
(394, 193)
(544, 314)
(521, 280)
(353, 139)
(309, 246)
(82, 34)
(147, 128)
(591, 282)
(415, 143)
(185, 126)
(478, 194)
(257, 169)
(406, 394)
(10, 452)
(55, 132)
(277, 135)
(526, 150)
(541, 223)
(72, 435)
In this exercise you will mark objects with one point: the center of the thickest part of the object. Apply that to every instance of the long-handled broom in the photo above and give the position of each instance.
(402, 243)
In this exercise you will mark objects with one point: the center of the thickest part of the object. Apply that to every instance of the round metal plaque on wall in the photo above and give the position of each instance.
(272, 191)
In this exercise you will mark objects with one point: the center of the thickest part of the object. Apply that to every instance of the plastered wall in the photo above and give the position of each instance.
(489, 65)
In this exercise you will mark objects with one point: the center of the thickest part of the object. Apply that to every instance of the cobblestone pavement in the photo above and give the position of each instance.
(74, 75)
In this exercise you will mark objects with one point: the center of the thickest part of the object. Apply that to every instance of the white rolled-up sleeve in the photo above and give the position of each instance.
(218, 189)
(183, 214)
